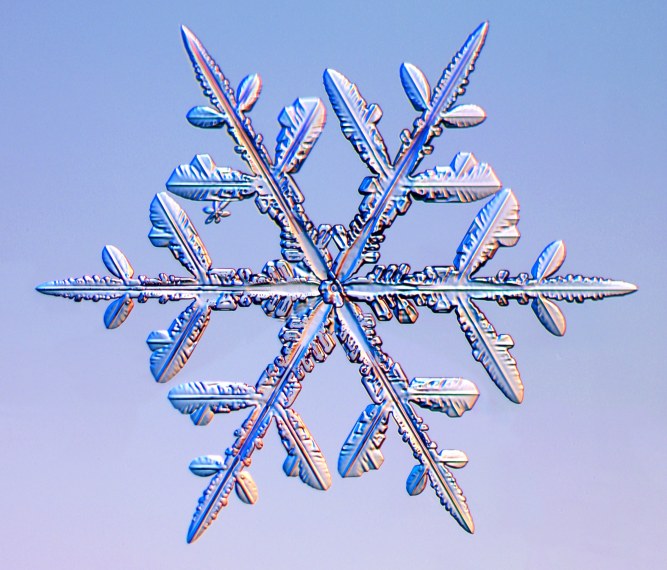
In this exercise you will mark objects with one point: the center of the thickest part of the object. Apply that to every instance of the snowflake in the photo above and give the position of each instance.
(317, 288)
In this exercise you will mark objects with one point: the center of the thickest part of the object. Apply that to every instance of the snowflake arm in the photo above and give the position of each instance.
(394, 290)
(311, 340)
(276, 288)
(388, 387)
(278, 195)
(388, 195)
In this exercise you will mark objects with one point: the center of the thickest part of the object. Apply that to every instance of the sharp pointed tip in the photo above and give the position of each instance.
(478, 37)
(46, 288)
(629, 287)
(619, 288)
(189, 37)
(194, 532)
(467, 523)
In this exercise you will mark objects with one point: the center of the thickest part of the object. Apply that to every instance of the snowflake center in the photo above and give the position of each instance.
(332, 292)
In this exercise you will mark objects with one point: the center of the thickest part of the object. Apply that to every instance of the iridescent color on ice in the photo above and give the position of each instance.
(319, 289)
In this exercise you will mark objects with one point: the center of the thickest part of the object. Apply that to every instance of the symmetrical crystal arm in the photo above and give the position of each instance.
(386, 195)
(308, 338)
(282, 200)
(438, 287)
(388, 387)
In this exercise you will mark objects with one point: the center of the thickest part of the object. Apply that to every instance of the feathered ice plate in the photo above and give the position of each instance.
(317, 287)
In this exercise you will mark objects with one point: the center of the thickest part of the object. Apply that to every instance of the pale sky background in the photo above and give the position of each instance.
(94, 458)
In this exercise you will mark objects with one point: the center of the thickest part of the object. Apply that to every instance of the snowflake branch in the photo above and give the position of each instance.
(284, 198)
(388, 387)
(386, 196)
(277, 388)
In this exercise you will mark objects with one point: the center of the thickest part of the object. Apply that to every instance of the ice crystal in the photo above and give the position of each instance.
(317, 287)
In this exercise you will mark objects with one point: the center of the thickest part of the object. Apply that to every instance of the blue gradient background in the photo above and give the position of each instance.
(94, 459)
